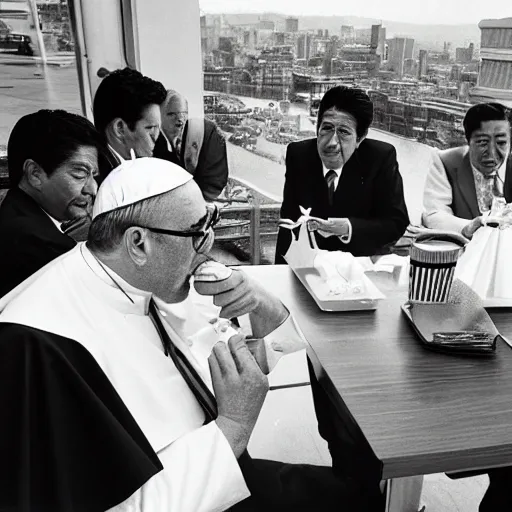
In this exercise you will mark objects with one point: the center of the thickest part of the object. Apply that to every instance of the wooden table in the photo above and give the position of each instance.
(421, 412)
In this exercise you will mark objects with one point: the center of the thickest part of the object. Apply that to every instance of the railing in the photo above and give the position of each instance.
(254, 222)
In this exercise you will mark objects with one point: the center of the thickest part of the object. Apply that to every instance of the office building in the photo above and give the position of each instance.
(292, 25)
(304, 46)
(423, 64)
(400, 49)
(495, 74)
(347, 34)
(464, 55)
(266, 25)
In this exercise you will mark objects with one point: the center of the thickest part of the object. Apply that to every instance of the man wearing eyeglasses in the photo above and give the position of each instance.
(194, 144)
(463, 182)
(124, 395)
(351, 183)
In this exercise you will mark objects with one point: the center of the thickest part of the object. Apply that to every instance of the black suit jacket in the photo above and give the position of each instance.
(369, 193)
(211, 173)
(30, 239)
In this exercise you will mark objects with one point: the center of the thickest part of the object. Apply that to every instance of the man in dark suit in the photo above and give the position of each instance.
(352, 184)
(127, 112)
(53, 161)
(463, 182)
(194, 144)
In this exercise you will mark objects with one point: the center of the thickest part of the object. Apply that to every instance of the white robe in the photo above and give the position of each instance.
(75, 298)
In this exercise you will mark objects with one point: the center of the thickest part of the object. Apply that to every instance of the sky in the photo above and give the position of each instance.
(411, 11)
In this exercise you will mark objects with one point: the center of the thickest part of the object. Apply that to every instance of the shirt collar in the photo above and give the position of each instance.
(502, 170)
(120, 158)
(169, 145)
(55, 221)
(337, 171)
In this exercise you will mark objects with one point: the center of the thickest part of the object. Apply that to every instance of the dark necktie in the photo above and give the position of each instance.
(178, 149)
(203, 395)
(329, 179)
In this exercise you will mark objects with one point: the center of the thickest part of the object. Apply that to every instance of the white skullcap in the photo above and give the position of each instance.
(138, 179)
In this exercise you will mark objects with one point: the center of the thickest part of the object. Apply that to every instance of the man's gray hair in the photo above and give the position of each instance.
(107, 229)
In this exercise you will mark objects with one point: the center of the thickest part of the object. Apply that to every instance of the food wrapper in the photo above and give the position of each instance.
(335, 279)
(267, 351)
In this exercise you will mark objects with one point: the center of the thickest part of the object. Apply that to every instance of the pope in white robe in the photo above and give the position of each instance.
(76, 297)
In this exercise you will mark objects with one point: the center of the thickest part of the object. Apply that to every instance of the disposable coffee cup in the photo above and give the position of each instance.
(433, 261)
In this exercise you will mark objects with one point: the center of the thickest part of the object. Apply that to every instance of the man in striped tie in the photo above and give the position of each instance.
(464, 182)
(121, 386)
(351, 183)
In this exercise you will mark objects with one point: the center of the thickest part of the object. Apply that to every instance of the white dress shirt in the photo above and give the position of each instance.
(344, 238)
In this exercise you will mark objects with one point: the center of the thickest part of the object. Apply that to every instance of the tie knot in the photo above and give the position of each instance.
(330, 177)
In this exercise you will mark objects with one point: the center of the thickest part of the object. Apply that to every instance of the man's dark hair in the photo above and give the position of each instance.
(351, 100)
(125, 93)
(482, 112)
(49, 137)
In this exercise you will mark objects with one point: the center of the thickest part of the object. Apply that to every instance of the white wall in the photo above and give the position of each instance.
(170, 46)
(166, 35)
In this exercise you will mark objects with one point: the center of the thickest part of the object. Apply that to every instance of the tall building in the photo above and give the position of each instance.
(381, 48)
(363, 35)
(378, 39)
(409, 67)
(374, 38)
(292, 25)
(464, 55)
(304, 46)
(279, 38)
(400, 49)
(423, 64)
(495, 74)
(330, 54)
(266, 25)
(455, 73)
(347, 34)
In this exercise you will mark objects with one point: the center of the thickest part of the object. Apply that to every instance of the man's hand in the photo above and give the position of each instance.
(78, 228)
(239, 295)
(330, 227)
(469, 229)
(240, 389)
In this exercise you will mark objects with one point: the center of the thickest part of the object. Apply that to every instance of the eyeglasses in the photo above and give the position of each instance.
(199, 237)
(175, 115)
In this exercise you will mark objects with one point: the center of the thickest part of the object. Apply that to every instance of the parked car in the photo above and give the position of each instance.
(20, 43)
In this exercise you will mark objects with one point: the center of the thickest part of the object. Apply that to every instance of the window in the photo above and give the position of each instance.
(31, 77)
(264, 75)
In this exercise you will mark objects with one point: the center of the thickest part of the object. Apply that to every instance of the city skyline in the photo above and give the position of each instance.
(405, 11)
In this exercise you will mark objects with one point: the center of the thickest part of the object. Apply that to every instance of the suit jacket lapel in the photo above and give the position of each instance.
(507, 187)
(316, 181)
(347, 196)
(29, 206)
(465, 181)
